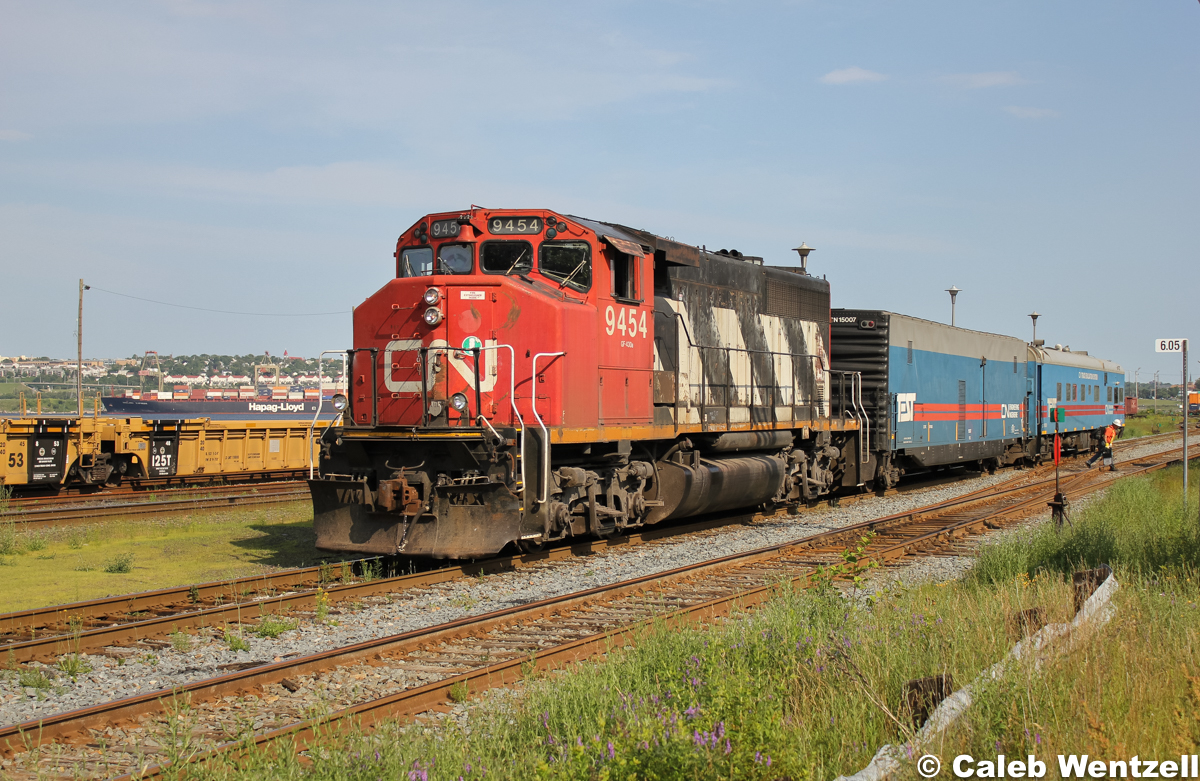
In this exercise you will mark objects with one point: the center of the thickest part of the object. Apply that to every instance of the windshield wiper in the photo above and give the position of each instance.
(568, 278)
(515, 262)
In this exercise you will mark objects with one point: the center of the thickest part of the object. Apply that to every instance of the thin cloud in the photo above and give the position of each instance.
(851, 76)
(14, 135)
(1027, 112)
(983, 80)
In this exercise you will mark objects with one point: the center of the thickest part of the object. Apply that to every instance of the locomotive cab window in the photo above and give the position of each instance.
(506, 257)
(415, 262)
(624, 276)
(569, 263)
(454, 259)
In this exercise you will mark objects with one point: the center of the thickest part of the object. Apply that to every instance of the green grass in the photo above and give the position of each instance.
(121, 564)
(85, 562)
(1140, 526)
(235, 641)
(273, 626)
(1149, 423)
(73, 666)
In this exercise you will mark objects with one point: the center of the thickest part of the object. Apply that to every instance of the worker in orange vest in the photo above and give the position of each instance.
(1106, 451)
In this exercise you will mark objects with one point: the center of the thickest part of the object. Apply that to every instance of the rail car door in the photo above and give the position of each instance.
(625, 301)
(905, 426)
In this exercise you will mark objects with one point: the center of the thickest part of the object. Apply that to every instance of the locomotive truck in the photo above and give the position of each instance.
(529, 376)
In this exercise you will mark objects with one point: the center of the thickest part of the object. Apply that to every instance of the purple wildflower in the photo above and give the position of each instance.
(728, 746)
(612, 752)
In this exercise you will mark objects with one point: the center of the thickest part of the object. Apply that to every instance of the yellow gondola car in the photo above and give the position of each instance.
(57, 451)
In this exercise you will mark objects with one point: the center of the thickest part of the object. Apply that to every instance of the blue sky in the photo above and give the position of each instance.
(263, 156)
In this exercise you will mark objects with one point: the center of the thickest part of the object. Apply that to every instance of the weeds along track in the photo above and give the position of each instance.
(419, 671)
(143, 620)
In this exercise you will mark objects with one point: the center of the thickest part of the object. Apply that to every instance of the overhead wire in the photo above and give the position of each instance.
(219, 311)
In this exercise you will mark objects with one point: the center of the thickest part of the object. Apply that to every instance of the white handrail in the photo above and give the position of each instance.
(512, 394)
(545, 492)
(320, 403)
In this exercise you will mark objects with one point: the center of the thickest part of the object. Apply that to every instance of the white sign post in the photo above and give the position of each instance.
(1179, 346)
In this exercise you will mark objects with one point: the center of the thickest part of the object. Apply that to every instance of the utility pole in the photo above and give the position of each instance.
(1135, 381)
(953, 291)
(79, 356)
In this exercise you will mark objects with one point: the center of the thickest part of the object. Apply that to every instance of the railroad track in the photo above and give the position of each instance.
(412, 673)
(35, 514)
(142, 620)
(151, 493)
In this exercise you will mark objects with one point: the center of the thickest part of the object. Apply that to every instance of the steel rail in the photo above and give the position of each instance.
(130, 494)
(53, 516)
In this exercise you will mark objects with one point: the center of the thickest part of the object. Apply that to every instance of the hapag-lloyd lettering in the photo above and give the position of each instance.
(281, 406)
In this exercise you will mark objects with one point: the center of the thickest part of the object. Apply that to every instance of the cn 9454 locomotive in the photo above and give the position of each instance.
(529, 376)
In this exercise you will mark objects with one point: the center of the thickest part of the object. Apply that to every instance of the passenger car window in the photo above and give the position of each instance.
(415, 262)
(506, 257)
(568, 262)
(454, 259)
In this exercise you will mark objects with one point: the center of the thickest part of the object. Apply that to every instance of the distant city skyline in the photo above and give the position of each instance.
(259, 157)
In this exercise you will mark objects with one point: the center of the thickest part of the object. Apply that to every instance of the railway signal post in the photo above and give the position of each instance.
(1179, 346)
(1058, 505)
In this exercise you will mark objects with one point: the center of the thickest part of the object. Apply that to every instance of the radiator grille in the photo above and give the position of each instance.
(784, 300)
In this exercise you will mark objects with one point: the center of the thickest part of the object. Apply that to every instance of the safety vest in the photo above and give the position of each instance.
(1110, 434)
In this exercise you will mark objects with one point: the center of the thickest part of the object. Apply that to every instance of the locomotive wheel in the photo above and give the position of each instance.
(530, 546)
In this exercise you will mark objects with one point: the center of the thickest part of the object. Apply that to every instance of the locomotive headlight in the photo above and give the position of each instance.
(432, 296)
(459, 402)
(433, 316)
(339, 401)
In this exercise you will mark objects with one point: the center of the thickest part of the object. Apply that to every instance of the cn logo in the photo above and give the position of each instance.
(906, 404)
(438, 355)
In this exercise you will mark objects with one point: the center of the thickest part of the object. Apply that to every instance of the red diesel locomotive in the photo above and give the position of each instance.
(529, 376)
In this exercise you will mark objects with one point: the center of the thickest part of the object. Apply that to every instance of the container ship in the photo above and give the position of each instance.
(244, 402)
